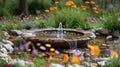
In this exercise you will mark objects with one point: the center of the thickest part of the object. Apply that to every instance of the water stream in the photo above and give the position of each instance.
(60, 31)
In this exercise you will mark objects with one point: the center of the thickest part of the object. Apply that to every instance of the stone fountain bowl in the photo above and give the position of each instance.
(71, 38)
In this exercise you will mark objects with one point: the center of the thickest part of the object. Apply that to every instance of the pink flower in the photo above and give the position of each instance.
(118, 19)
(45, 16)
(37, 12)
(26, 19)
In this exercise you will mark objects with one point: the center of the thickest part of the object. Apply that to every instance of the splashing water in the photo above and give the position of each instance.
(60, 31)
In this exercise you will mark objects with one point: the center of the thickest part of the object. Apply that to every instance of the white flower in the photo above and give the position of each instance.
(56, 65)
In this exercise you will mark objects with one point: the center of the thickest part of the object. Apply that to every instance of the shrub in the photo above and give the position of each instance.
(70, 18)
(112, 22)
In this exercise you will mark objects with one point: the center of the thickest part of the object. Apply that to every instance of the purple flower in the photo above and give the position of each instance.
(45, 16)
(34, 52)
(16, 48)
(109, 37)
(76, 52)
(42, 48)
(26, 45)
(57, 52)
(116, 41)
(37, 12)
(22, 47)
(107, 50)
(118, 19)
(38, 44)
(29, 60)
(81, 57)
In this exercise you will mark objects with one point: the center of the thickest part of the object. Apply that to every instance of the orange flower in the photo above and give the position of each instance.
(74, 6)
(96, 11)
(56, 2)
(95, 50)
(87, 2)
(84, 7)
(92, 2)
(69, 3)
(75, 59)
(94, 8)
(66, 57)
(52, 9)
(46, 11)
(114, 54)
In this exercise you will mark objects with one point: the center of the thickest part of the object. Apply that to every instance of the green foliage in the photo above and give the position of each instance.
(70, 18)
(2, 61)
(41, 23)
(111, 22)
(39, 61)
(114, 62)
(38, 5)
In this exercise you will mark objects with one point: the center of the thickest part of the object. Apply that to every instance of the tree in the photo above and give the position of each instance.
(24, 7)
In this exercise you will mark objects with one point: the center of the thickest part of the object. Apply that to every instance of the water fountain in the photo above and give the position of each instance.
(59, 38)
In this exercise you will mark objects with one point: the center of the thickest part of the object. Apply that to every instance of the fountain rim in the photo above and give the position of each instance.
(85, 33)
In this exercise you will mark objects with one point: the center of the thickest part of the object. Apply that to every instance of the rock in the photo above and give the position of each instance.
(56, 65)
(6, 46)
(5, 57)
(28, 34)
(6, 35)
(103, 31)
(116, 34)
(16, 32)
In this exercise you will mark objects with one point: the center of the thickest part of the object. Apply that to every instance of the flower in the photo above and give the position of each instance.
(114, 54)
(87, 2)
(75, 59)
(44, 16)
(52, 49)
(16, 48)
(116, 41)
(66, 57)
(92, 2)
(84, 7)
(56, 2)
(42, 48)
(46, 11)
(48, 45)
(38, 44)
(34, 52)
(22, 47)
(57, 52)
(107, 50)
(69, 3)
(118, 19)
(52, 9)
(26, 45)
(37, 12)
(95, 50)
(25, 19)
(76, 52)
(96, 11)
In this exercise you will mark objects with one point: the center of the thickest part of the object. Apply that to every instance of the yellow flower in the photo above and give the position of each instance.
(52, 49)
(48, 45)
(114, 54)
(66, 57)
(56, 2)
(36, 18)
(75, 59)
(47, 11)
